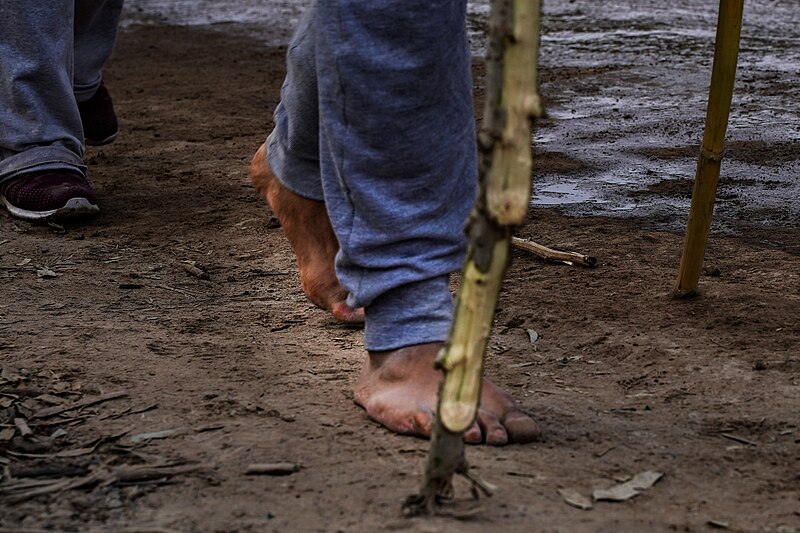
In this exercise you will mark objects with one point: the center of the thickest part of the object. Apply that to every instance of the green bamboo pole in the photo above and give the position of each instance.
(505, 165)
(723, 73)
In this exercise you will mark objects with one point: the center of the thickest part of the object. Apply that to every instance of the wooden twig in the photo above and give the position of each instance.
(57, 486)
(57, 410)
(47, 471)
(271, 469)
(737, 438)
(72, 452)
(135, 474)
(185, 292)
(191, 268)
(549, 254)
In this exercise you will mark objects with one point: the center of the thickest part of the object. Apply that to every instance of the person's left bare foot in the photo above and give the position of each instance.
(306, 224)
(399, 390)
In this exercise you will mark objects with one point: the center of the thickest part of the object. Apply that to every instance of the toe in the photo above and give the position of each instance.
(423, 422)
(473, 435)
(496, 434)
(520, 427)
(345, 313)
(402, 420)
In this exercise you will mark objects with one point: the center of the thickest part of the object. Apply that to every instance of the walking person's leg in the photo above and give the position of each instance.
(96, 24)
(398, 174)
(42, 173)
(296, 194)
(41, 127)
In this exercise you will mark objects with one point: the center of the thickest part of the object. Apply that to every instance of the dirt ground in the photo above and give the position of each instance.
(228, 365)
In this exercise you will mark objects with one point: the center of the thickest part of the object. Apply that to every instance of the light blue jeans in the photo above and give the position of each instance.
(376, 120)
(51, 56)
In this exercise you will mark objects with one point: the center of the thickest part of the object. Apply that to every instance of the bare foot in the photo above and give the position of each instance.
(399, 390)
(308, 228)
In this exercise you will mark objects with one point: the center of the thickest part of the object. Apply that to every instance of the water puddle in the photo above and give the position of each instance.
(562, 194)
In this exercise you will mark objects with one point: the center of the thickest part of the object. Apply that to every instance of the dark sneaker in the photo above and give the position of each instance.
(49, 195)
(100, 124)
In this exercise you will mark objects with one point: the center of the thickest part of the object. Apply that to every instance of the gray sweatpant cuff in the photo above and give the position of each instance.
(301, 176)
(417, 313)
(38, 159)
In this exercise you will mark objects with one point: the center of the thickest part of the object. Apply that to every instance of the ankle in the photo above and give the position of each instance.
(391, 365)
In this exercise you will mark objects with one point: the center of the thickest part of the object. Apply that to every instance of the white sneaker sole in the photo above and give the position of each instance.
(74, 208)
(101, 142)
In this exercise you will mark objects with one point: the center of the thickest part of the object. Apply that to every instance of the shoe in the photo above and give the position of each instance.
(100, 124)
(49, 195)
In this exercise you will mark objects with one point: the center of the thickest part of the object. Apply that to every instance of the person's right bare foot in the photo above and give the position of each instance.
(399, 389)
(307, 226)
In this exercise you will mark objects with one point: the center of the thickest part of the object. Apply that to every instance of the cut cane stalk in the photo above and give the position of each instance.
(462, 360)
(506, 163)
(508, 181)
(512, 101)
(723, 74)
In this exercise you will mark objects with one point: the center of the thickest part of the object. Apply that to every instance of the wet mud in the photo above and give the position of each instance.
(627, 86)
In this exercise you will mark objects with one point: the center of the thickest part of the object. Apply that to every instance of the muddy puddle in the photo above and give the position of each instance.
(626, 84)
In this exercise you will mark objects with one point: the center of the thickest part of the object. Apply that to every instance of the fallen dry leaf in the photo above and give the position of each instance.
(575, 499)
(625, 491)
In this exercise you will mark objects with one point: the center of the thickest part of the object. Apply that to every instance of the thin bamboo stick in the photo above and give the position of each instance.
(504, 141)
(723, 74)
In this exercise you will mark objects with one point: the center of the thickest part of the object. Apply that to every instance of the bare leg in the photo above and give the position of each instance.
(308, 228)
(399, 390)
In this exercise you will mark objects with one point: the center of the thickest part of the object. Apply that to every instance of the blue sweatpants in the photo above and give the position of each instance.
(376, 120)
(51, 56)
